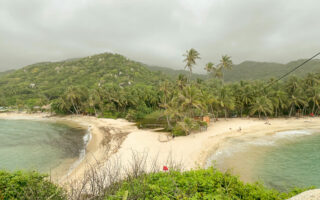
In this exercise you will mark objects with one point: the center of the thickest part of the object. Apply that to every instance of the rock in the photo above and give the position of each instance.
(307, 195)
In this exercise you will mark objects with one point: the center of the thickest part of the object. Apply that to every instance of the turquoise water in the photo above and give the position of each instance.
(281, 160)
(38, 145)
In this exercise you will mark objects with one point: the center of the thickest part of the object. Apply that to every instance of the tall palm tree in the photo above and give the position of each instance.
(217, 72)
(226, 62)
(209, 66)
(190, 59)
(190, 100)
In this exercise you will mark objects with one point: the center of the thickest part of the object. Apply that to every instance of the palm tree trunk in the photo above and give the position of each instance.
(314, 105)
(95, 111)
(74, 107)
(225, 113)
(168, 122)
(291, 111)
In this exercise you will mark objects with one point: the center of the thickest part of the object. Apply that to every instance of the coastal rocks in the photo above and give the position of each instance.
(308, 195)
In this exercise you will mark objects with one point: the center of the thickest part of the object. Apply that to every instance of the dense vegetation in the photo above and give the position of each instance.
(28, 185)
(194, 184)
(109, 85)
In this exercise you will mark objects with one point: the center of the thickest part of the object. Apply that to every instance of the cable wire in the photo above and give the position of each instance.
(294, 69)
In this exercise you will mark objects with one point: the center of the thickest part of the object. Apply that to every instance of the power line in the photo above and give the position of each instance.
(294, 69)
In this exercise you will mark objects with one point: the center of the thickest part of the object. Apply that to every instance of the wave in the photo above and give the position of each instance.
(283, 134)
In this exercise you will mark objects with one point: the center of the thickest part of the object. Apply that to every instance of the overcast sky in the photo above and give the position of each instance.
(158, 32)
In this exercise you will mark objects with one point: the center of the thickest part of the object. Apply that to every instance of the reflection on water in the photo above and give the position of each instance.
(27, 144)
(281, 160)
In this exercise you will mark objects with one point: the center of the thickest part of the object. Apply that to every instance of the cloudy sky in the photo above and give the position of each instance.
(158, 32)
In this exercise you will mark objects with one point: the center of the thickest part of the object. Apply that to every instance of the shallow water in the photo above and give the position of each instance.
(281, 160)
(38, 145)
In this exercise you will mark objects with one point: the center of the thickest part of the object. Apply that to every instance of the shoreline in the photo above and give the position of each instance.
(193, 151)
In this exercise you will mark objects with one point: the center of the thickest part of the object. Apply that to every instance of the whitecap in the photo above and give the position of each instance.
(293, 133)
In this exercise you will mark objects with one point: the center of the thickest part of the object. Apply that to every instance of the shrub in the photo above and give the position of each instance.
(196, 184)
(28, 185)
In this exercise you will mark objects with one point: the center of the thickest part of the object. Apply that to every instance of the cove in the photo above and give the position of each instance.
(39, 145)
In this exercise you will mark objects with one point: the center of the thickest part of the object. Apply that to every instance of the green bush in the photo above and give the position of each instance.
(28, 185)
(195, 184)
(178, 131)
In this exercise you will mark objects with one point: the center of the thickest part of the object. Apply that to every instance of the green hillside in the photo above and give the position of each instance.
(175, 73)
(49, 80)
(250, 70)
(6, 72)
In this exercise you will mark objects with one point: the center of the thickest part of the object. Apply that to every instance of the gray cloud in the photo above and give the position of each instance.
(157, 32)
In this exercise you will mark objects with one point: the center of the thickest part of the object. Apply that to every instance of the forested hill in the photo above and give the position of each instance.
(6, 72)
(250, 70)
(50, 79)
(172, 73)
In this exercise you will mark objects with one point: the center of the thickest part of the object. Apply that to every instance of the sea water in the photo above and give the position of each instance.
(38, 145)
(281, 160)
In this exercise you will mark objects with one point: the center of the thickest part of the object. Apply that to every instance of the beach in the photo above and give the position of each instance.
(192, 151)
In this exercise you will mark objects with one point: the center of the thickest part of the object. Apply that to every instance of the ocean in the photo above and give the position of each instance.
(280, 160)
(40, 145)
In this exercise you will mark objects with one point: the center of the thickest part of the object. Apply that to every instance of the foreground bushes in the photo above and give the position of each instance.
(196, 184)
(28, 185)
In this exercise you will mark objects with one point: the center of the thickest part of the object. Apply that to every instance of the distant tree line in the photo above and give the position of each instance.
(178, 103)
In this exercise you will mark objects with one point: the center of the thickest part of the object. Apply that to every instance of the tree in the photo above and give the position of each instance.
(279, 100)
(187, 125)
(165, 89)
(314, 97)
(190, 59)
(182, 81)
(190, 100)
(225, 100)
(261, 105)
(209, 66)
(296, 99)
(226, 62)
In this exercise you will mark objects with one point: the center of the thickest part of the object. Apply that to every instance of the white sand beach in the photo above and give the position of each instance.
(192, 150)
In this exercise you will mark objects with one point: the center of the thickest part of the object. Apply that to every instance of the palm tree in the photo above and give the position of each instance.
(296, 99)
(94, 100)
(226, 62)
(225, 100)
(279, 100)
(164, 87)
(190, 59)
(314, 97)
(209, 67)
(181, 81)
(217, 72)
(190, 100)
(261, 105)
(187, 125)
(73, 96)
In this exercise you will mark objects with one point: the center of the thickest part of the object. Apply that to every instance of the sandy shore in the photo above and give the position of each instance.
(192, 151)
